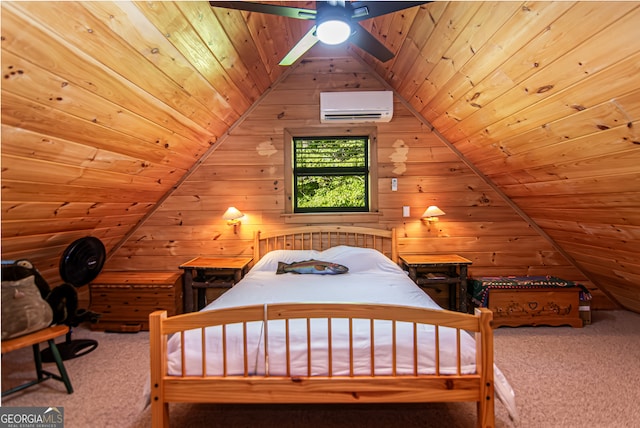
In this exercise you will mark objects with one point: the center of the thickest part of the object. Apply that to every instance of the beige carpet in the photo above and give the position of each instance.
(562, 377)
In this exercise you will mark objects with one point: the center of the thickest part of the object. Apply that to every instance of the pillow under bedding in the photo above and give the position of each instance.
(360, 259)
(269, 262)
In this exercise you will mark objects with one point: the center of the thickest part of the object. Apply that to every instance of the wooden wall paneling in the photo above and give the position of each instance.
(90, 36)
(620, 253)
(604, 152)
(313, 82)
(46, 192)
(195, 46)
(242, 172)
(547, 38)
(392, 30)
(605, 219)
(450, 23)
(54, 92)
(576, 65)
(37, 227)
(625, 163)
(29, 41)
(619, 282)
(247, 203)
(27, 144)
(419, 200)
(404, 65)
(300, 112)
(467, 86)
(620, 278)
(592, 91)
(488, 18)
(228, 189)
(608, 200)
(576, 186)
(239, 36)
(22, 113)
(236, 64)
(584, 121)
(19, 210)
(22, 169)
(149, 42)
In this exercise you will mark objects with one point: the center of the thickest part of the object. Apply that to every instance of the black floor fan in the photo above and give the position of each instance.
(81, 262)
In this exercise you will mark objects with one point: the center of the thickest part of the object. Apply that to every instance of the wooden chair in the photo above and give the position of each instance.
(34, 339)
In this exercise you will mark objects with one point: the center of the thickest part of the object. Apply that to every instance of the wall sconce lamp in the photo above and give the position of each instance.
(233, 215)
(431, 214)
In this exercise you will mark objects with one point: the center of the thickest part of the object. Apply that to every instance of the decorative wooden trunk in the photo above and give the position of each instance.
(126, 298)
(535, 306)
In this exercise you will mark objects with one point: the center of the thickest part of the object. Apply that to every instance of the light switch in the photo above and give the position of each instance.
(406, 211)
(394, 184)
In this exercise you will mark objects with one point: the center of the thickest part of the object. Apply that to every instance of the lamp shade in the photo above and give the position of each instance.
(232, 213)
(333, 32)
(432, 212)
(333, 25)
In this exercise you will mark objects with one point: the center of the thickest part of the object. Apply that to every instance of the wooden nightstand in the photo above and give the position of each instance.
(429, 270)
(210, 272)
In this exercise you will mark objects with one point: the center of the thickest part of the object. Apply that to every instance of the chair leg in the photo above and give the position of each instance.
(38, 360)
(64, 377)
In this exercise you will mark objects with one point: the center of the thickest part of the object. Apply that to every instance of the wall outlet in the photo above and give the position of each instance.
(394, 184)
(406, 211)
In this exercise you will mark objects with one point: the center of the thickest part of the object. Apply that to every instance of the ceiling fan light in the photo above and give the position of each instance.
(333, 31)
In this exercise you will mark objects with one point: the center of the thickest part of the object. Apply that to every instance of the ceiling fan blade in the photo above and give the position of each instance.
(272, 9)
(365, 41)
(370, 9)
(305, 43)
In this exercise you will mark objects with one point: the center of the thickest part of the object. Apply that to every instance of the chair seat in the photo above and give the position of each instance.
(34, 339)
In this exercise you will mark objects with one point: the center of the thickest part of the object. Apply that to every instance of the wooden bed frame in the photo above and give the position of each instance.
(355, 388)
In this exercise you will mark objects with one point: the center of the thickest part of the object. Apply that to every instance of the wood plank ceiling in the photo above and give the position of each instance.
(107, 106)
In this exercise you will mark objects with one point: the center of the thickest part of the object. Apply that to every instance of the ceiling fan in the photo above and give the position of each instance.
(336, 22)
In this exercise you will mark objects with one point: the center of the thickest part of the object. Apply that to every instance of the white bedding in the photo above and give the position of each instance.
(372, 278)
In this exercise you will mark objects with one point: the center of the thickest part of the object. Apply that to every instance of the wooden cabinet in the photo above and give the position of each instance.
(535, 306)
(124, 299)
(433, 272)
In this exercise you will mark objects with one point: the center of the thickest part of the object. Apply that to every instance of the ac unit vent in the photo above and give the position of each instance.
(355, 107)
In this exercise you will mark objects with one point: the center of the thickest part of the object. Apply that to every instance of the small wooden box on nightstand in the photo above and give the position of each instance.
(124, 299)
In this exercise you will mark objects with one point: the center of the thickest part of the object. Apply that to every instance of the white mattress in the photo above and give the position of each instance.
(372, 278)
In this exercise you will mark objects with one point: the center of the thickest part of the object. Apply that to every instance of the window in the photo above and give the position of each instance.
(330, 174)
(330, 171)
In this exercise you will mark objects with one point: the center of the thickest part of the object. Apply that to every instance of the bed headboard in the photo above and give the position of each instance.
(324, 237)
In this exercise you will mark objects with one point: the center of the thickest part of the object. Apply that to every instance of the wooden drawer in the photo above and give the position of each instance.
(439, 293)
(126, 298)
(535, 306)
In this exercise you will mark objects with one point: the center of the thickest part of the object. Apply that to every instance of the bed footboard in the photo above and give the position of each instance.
(284, 385)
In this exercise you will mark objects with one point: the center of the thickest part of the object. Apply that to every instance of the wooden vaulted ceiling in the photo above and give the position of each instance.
(107, 106)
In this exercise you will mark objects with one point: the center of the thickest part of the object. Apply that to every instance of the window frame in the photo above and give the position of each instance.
(334, 170)
(328, 132)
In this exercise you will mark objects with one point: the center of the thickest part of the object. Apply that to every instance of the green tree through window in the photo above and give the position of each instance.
(331, 174)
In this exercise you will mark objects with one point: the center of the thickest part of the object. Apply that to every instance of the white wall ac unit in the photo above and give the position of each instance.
(355, 107)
